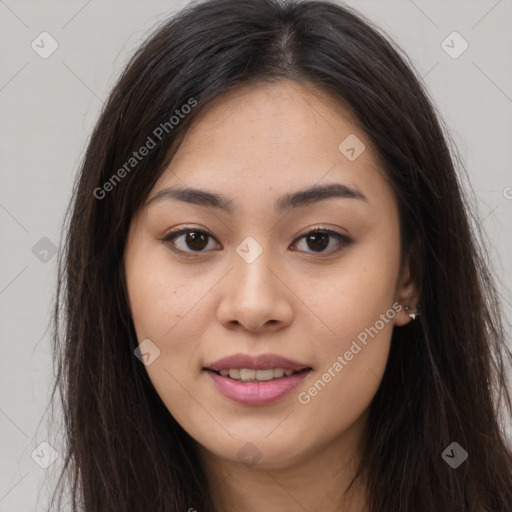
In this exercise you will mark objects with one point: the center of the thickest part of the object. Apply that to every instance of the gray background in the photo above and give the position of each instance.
(48, 108)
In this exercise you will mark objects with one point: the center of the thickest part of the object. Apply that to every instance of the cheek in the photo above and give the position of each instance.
(351, 368)
(353, 340)
(352, 296)
(159, 296)
(166, 308)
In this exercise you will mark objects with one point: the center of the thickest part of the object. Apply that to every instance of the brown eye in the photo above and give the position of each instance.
(196, 241)
(319, 239)
(192, 240)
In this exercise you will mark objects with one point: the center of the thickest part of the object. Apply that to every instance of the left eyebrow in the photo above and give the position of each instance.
(297, 199)
(317, 193)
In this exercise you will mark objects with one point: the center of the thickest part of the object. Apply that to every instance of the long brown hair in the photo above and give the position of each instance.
(445, 380)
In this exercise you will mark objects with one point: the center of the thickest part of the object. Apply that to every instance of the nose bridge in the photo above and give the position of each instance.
(252, 262)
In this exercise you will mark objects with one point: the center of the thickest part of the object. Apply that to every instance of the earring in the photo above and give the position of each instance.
(413, 315)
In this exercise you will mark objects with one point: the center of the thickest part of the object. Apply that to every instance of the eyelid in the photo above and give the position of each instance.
(185, 229)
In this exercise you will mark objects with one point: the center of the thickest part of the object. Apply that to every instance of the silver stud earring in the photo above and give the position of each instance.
(413, 315)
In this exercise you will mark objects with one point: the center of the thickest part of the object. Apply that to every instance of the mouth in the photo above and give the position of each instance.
(256, 380)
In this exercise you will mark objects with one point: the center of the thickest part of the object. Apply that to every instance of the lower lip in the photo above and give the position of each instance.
(256, 393)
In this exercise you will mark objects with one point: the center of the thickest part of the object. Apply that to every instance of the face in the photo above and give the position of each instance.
(260, 270)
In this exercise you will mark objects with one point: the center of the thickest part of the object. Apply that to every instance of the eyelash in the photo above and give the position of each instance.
(172, 235)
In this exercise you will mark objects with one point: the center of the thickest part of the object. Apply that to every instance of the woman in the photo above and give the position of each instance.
(273, 297)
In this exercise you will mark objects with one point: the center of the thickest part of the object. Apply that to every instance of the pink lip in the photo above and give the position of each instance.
(256, 393)
(261, 362)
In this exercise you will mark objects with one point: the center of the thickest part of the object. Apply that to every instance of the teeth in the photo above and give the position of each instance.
(246, 374)
(234, 374)
(277, 373)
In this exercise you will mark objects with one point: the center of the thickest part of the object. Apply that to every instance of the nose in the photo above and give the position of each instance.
(254, 297)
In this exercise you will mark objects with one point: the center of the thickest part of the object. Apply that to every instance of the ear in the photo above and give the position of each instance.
(407, 294)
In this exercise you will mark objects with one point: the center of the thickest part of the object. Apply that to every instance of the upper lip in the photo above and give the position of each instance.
(261, 362)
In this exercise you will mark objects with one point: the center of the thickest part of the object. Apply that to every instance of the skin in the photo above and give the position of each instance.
(253, 145)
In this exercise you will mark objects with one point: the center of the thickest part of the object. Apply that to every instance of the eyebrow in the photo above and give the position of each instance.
(298, 199)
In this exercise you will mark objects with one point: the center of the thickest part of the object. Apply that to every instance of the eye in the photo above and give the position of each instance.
(192, 238)
(197, 240)
(318, 239)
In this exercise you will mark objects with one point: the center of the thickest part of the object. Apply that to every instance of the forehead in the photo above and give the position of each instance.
(269, 118)
(261, 138)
